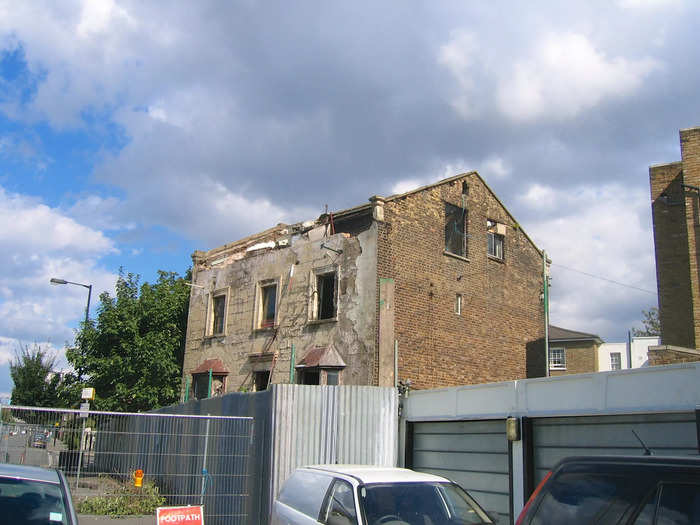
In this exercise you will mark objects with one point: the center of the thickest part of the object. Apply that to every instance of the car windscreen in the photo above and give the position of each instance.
(590, 497)
(419, 503)
(32, 502)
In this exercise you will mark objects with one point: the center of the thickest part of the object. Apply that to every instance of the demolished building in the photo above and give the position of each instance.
(438, 286)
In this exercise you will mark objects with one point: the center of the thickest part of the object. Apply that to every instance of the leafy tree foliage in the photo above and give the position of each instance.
(31, 371)
(652, 325)
(132, 353)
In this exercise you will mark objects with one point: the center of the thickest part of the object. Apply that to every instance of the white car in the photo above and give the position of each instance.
(366, 495)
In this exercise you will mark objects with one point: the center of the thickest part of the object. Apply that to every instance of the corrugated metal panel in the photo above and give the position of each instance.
(671, 434)
(332, 424)
(473, 454)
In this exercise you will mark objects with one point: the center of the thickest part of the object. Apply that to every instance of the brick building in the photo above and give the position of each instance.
(675, 190)
(572, 352)
(439, 286)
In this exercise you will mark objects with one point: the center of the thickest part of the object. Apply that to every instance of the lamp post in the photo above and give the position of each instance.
(88, 286)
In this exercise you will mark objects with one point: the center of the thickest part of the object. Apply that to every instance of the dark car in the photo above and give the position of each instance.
(617, 489)
(34, 495)
(39, 440)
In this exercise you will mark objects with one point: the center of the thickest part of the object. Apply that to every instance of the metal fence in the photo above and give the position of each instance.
(185, 459)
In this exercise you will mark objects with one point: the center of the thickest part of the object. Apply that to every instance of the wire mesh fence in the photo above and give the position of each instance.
(124, 463)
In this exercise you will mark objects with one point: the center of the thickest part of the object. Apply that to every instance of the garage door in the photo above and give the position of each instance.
(670, 434)
(474, 454)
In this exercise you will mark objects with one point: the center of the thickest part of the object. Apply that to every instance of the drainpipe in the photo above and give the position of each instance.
(396, 363)
(210, 378)
(291, 365)
(545, 294)
(629, 349)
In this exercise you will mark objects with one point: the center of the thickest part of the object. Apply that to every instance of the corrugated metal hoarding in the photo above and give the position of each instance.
(332, 424)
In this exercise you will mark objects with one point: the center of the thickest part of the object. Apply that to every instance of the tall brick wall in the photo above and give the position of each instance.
(502, 315)
(676, 217)
(690, 157)
(667, 355)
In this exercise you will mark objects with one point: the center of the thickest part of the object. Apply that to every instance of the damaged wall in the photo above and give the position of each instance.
(289, 259)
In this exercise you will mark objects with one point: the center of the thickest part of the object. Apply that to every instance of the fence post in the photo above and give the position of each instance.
(80, 454)
(204, 462)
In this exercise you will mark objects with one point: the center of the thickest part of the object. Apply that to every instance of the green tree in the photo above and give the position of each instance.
(652, 325)
(34, 383)
(132, 353)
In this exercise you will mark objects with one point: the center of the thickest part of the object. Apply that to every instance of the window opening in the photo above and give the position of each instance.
(465, 187)
(494, 240)
(455, 230)
(310, 377)
(458, 304)
(332, 377)
(261, 380)
(557, 358)
(326, 296)
(615, 361)
(268, 305)
(219, 311)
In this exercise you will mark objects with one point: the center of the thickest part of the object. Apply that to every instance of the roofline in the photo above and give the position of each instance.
(576, 339)
(348, 212)
(362, 207)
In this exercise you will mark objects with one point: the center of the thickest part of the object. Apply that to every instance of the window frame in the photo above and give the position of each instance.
(315, 296)
(211, 313)
(464, 245)
(559, 366)
(258, 321)
(619, 361)
(459, 303)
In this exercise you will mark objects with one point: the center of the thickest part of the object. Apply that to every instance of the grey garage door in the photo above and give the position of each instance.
(474, 454)
(554, 438)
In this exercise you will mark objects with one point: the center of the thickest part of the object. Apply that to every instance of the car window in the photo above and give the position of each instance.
(305, 492)
(417, 504)
(341, 505)
(581, 498)
(679, 504)
(31, 502)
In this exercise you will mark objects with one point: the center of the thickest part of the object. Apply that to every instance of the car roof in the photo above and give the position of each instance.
(8, 470)
(374, 474)
(692, 461)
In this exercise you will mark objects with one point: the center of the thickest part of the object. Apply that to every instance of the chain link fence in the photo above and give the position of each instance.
(129, 464)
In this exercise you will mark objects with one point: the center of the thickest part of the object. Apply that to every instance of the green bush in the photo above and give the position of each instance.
(125, 500)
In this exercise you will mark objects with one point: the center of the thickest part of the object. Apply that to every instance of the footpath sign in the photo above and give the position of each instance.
(190, 515)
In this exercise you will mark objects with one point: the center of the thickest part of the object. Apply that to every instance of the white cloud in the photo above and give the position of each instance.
(648, 4)
(459, 56)
(587, 229)
(36, 228)
(566, 75)
(40, 244)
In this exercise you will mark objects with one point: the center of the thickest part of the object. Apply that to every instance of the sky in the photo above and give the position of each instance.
(133, 133)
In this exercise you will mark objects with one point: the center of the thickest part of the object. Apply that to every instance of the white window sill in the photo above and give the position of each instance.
(557, 368)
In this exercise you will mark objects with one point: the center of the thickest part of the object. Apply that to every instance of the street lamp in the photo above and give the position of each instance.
(88, 286)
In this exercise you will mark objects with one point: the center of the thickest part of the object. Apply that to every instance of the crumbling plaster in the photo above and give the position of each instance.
(284, 252)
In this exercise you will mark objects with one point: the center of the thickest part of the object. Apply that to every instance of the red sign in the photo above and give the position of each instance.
(183, 515)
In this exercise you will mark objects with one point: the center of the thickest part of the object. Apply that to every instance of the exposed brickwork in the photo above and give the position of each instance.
(676, 219)
(498, 336)
(581, 357)
(664, 355)
(501, 310)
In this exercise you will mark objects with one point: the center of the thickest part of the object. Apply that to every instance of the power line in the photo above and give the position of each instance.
(604, 279)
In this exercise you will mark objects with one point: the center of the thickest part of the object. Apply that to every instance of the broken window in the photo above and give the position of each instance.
(326, 296)
(267, 305)
(495, 236)
(216, 317)
(455, 230)
(219, 308)
(202, 389)
(261, 380)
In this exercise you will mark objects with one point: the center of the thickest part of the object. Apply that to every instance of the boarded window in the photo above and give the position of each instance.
(455, 230)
